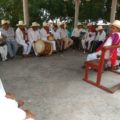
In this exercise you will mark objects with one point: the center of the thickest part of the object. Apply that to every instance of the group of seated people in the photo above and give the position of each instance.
(112, 56)
(47, 40)
(88, 39)
(50, 38)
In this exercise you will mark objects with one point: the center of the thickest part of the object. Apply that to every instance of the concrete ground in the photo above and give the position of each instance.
(53, 89)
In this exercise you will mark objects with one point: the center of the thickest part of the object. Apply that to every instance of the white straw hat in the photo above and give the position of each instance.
(45, 24)
(116, 23)
(4, 22)
(79, 23)
(99, 28)
(21, 23)
(35, 24)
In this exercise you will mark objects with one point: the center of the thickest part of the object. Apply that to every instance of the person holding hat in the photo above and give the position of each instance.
(22, 38)
(10, 38)
(34, 34)
(99, 39)
(113, 39)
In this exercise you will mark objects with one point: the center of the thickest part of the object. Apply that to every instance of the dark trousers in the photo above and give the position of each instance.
(76, 42)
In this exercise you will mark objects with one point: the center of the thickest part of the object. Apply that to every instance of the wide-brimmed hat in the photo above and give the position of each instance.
(4, 22)
(89, 24)
(116, 23)
(45, 24)
(21, 23)
(79, 23)
(99, 28)
(8, 22)
(35, 24)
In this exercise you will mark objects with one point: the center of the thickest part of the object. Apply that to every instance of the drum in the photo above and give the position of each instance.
(47, 49)
(50, 38)
(39, 46)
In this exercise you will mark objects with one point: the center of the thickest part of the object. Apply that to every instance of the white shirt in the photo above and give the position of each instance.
(90, 36)
(19, 37)
(76, 32)
(10, 34)
(63, 33)
(9, 110)
(56, 34)
(43, 34)
(101, 36)
(33, 35)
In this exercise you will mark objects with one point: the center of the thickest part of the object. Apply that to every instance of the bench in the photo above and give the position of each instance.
(98, 65)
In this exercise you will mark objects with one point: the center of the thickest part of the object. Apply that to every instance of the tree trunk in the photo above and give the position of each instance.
(77, 6)
(26, 12)
(113, 10)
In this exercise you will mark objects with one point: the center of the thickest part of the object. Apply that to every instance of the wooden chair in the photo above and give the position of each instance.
(98, 65)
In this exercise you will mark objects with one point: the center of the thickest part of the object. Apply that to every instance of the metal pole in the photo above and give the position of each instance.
(26, 12)
(113, 10)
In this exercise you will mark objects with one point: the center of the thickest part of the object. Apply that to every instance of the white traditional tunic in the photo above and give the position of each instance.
(21, 41)
(56, 34)
(44, 35)
(33, 35)
(100, 36)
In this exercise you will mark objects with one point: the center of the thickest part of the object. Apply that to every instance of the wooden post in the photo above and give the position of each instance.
(113, 10)
(77, 6)
(26, 12)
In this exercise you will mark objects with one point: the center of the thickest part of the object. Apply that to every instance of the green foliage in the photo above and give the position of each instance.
(94, 9)
(11, 9)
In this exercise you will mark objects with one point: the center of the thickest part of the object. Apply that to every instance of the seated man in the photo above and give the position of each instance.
(22, 38)
(46, 36)
(34, 35)
(100, 38)
(9, 33)
(3, 48)
(9, 109)
(64, 36)
(88, 37)
(56, 34)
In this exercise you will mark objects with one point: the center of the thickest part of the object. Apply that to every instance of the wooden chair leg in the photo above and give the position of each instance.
(86, 73)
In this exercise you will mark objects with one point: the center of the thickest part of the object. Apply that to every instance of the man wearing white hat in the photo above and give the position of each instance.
(22, 38)
(89, 37)
(10, 38)
(64, 36)
(34, 34)
(76, 35)
(45, 34)
(100, 38)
